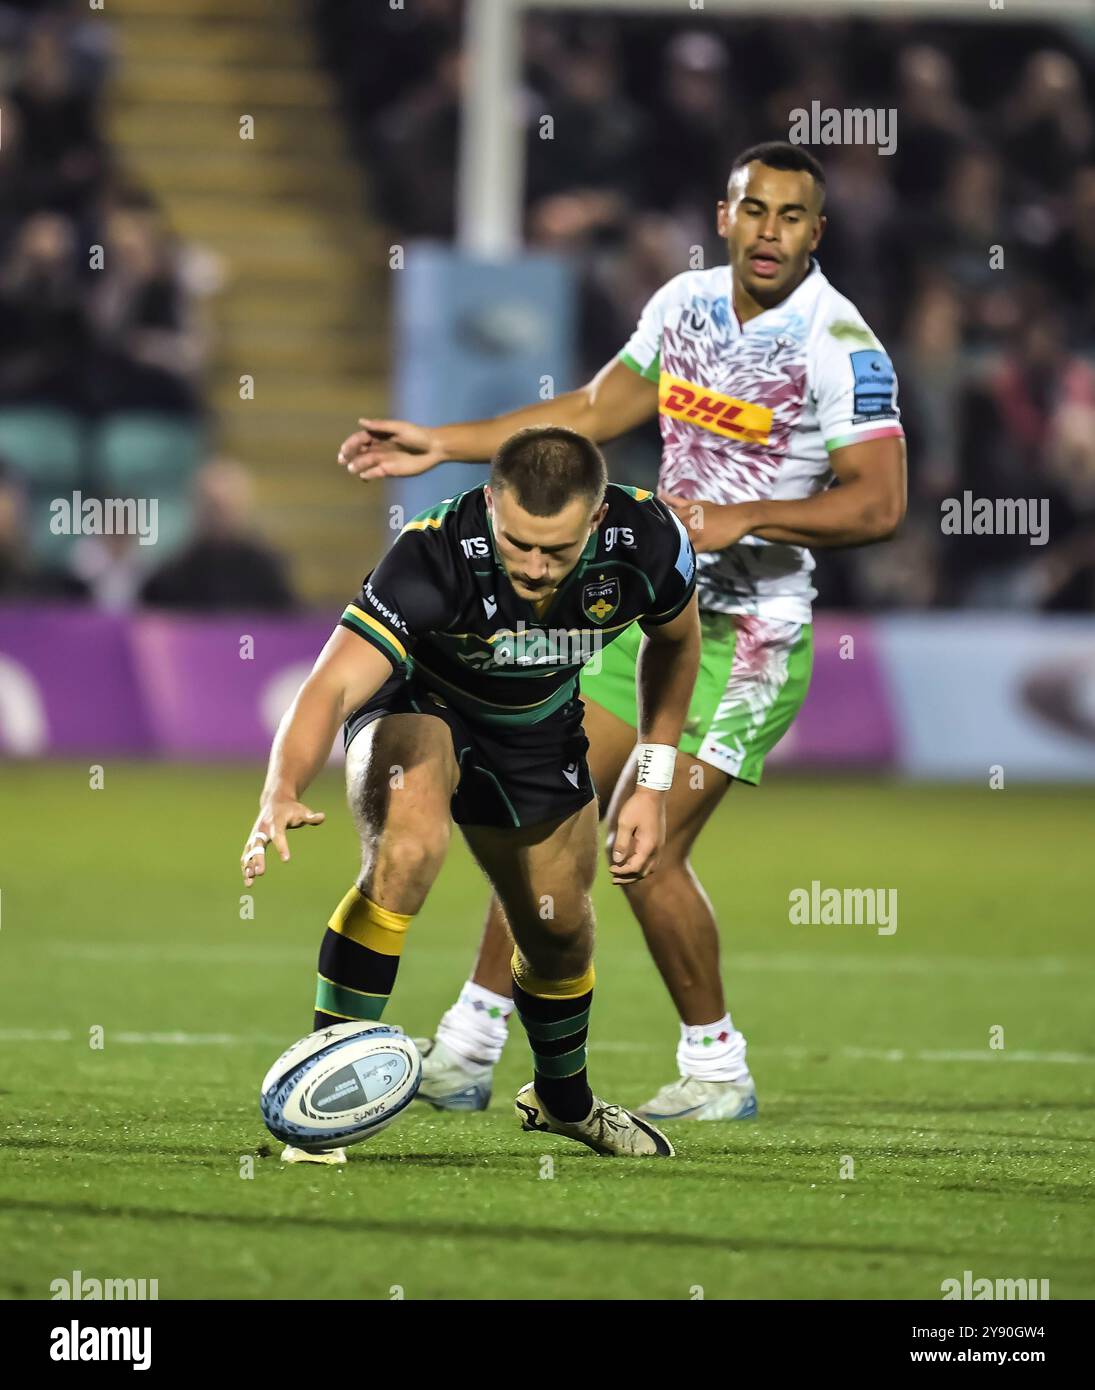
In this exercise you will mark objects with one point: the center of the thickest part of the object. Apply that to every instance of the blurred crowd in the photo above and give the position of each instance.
(102, 348)
(104, 340)
(995, 148)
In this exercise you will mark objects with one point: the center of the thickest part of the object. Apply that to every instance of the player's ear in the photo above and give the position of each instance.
(599, 515)
(490, 498)
(819, 230)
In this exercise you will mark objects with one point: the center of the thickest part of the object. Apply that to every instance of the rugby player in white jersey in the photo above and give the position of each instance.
(769, 386)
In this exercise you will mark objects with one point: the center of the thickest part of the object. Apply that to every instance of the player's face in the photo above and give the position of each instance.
(772, 222)
(538, 552)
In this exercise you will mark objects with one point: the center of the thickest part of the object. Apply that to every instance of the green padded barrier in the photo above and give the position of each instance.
(43, 445)
(139, 454)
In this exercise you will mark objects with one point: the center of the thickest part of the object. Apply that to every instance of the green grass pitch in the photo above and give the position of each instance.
(119, 909)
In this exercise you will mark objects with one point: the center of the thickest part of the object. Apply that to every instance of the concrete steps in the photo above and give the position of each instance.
(304, 308)
(271, 177)
(230, 84)
(285, 13)
(170, 126)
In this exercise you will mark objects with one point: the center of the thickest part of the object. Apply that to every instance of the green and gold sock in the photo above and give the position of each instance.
(358, 960)
(555, 1015)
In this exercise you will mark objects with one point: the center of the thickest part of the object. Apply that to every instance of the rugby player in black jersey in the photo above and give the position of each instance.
(455, 673)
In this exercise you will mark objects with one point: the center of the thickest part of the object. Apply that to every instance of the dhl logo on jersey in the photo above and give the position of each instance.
(711, 410)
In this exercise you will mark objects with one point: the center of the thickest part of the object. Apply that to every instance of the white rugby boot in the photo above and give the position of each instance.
(450, 1082)
(607, 1129)
(689, 1098)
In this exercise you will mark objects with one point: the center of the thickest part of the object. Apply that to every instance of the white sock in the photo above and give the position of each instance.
(476, 1027)
(712, 1051)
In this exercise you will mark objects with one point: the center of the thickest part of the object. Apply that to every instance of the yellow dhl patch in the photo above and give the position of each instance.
(711, 410)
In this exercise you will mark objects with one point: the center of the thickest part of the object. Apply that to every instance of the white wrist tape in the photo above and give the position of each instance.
(656, 764)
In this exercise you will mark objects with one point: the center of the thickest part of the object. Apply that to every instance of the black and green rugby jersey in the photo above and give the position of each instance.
(441, 607)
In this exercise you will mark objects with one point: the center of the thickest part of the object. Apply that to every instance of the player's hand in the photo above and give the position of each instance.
(276, 816)
(711, 525)
(637, 838)
(389, 449)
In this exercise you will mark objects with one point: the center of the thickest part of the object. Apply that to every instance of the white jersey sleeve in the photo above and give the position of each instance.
(642, 351)
(852, 381)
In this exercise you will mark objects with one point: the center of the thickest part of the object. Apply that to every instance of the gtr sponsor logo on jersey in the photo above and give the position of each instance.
(711, 410)
(874, 385)
(601, 599)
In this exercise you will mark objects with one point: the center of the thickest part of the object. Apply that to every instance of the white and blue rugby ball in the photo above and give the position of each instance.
(340, 1085)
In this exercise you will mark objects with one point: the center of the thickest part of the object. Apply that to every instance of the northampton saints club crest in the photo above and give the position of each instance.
(601, 599)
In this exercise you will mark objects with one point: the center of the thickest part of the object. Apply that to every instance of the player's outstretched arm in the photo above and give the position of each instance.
(347, 672)
(868, 506)
(615, 401)
(669, 660)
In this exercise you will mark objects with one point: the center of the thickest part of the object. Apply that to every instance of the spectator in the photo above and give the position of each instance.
(1069, 261)
(620, 283)
(224, 567)
(112, 568)
(929, 366)
(61, 149)
(1038, 381)
(860, 207)
(697, 130)
(1047, 125)
(44, 334)
(596, 134)
(417, 152)
(20, 577)
(383, 51)
(147, 351)
(934, 126)
(17, 194)
(954, 236)
(1068, 569)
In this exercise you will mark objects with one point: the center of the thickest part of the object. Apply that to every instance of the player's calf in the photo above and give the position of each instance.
(400, 776)
(555, 1014)
(358, 960)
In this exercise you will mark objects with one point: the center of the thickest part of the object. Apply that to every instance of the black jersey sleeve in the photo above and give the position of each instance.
(669, 562)
(411, 592)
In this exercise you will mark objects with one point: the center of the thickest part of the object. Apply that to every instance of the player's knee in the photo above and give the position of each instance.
(672, 877)
(560, 944)
(410, 857)
(673, 860)
(559, 959)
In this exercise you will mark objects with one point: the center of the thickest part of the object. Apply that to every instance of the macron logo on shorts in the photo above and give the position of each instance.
(571, 774)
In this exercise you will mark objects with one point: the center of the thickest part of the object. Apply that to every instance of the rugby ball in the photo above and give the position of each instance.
(340, 1085)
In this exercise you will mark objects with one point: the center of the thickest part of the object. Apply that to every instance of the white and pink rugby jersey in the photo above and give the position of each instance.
(751, 412)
